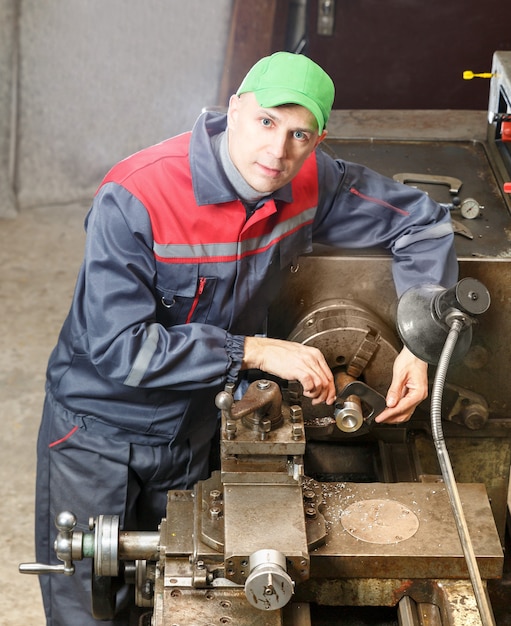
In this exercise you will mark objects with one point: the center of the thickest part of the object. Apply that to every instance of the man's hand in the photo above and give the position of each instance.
(409, 388)
(292, 361)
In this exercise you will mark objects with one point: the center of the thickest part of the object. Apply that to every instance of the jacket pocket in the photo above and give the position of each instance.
(183, 296)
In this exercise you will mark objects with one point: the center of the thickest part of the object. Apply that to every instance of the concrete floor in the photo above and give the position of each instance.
(40, 252)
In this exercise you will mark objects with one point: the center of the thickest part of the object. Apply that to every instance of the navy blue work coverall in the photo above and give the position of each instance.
(175, 275)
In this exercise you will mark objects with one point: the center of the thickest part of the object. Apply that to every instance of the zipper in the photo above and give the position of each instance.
(198, 293)
(65, 438)
(356, 192)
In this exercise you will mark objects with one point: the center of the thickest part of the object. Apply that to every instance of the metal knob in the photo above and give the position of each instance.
(268, 586)
(65, 523)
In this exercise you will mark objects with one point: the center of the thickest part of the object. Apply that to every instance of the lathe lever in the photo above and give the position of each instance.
(41, 568)
(65, 523)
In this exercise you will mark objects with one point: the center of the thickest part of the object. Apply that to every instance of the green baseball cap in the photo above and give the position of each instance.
(287, 78)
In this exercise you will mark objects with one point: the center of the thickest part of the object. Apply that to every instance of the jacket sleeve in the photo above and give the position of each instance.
(359, 208)
(125, 341)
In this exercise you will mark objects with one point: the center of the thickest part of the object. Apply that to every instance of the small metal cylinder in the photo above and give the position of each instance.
(348, 414)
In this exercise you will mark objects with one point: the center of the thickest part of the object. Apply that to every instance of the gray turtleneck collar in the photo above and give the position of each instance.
(247, 194)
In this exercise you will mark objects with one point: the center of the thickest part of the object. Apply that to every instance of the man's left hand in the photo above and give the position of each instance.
(408, 389)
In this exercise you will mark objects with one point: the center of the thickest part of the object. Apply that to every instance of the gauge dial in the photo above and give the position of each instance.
(470, 208)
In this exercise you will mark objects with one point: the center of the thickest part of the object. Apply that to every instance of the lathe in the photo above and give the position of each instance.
(317, 514)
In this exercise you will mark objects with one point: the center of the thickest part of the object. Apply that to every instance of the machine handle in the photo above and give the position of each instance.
(41, 568)
(65, 523)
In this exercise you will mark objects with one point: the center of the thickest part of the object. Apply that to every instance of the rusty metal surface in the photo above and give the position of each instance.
(264, 517)
(339, 328)
(267, 518)
(433, 551)
(475, 457)
(204, 607)
(454, 598)
(366, 277)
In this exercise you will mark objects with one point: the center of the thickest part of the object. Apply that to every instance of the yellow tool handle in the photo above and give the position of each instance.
(468, 75)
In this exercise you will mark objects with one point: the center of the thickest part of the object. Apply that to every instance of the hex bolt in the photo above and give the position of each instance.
(309, 495)
(215, 512)
(230, 430)
(295, 413)
(263, 384)
(266, 425)
(310, 512)
(215, 494)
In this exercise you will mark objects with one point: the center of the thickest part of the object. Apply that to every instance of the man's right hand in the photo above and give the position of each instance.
(292, 361)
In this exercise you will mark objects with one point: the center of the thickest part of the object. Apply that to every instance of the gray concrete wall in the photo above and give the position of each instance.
(8, 32)
(99, 80)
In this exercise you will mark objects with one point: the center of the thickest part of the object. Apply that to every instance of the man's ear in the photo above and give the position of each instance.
(321, 138)
(232, 111)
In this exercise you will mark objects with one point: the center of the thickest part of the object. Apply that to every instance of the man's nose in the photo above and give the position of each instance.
(278, 146)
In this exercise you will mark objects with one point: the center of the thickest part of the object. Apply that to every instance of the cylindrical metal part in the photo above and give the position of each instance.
(139, 545)
(106, 562)
(348, 414)
(268, 586)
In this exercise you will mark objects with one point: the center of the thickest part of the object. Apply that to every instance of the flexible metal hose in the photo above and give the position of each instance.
(485, 611)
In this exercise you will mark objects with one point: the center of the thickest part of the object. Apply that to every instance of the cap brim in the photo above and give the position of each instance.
(269, 98)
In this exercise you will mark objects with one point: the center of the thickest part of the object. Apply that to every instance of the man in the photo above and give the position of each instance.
(186, 243)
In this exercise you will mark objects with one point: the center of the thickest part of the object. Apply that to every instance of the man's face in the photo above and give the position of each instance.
(269, 146)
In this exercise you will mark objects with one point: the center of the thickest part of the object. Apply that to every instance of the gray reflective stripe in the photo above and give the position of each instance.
(144, 357)
(232, 249)
(437, 231)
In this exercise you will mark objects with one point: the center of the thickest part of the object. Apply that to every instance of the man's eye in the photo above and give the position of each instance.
(266, 121)
(300, 135)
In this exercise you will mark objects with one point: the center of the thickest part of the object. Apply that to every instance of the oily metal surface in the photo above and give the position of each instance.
(432, 551)
(339, 328)
(366, 276)
(465, 160)
(206, 607)
(264, 517)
